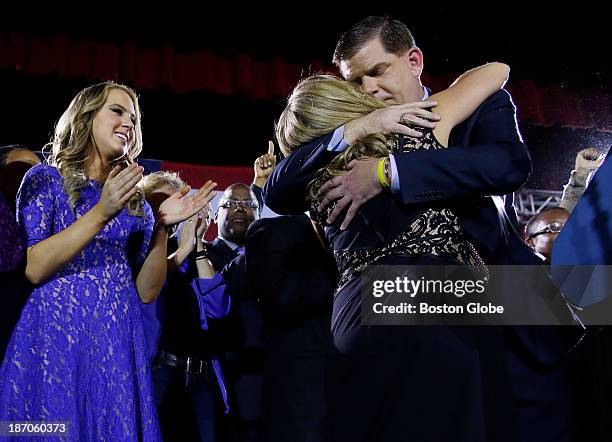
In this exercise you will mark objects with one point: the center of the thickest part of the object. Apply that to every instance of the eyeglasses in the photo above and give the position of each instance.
(233, 204)
(554, 227)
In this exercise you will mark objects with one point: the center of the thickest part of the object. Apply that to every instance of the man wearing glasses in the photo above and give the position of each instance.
(238, 207)
(542, 230)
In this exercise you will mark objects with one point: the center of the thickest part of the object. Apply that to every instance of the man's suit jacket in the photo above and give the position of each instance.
(220, 254)
(582, 252)
(296, 278)
(288, 267)
(486, 156)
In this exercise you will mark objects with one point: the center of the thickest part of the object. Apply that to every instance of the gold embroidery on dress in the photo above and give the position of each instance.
(435, 232)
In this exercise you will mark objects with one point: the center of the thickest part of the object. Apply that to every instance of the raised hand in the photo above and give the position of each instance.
(203, 222)
(180, 206)
(119, 187)
(187, 237)
(589, 159)
(264, 165)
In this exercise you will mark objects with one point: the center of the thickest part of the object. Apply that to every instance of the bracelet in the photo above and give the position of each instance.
(387, 170)
(202, 254)
(383, 173)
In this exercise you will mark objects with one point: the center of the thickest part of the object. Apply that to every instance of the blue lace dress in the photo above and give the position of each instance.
(78, 351)
(11, 242)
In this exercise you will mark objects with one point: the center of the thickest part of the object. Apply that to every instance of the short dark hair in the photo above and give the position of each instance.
(394, 36)
(530, 226)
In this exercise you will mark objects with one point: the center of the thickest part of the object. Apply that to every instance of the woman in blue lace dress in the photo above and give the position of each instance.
(95, 253)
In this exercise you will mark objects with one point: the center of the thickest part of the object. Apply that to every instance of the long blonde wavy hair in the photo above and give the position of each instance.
(73, 136)
(317, 106)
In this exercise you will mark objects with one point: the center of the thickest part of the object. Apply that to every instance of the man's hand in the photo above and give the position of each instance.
(358, 185)
(264, 165)
(589, 159)
(392, 119)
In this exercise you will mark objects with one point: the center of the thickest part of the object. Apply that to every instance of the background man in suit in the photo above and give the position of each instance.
(295, 277)
(542, 230)
(581, 256)
(238, 208)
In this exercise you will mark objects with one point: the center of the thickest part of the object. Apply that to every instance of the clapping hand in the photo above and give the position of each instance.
(119, 187)
(180, 206)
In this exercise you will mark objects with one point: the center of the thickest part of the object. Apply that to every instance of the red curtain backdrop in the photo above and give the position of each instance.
(256, 79)
(197, 175)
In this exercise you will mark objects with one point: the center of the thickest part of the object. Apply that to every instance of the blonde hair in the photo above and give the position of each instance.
(73, 135)
(155, 180)
(317, 106)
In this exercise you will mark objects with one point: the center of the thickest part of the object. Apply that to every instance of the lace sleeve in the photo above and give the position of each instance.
(145, 227)
(36, 203)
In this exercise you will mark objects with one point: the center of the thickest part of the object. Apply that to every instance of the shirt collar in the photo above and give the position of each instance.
(230, 244)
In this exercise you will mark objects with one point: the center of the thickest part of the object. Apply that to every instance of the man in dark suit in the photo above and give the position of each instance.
(583, 249)
(486, 156)
(237, 209)
(581, 256)
(296, 277)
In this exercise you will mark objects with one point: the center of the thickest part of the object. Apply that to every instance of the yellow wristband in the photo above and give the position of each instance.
(382, 178)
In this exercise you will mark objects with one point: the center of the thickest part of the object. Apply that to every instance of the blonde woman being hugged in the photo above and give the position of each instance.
(386, 383)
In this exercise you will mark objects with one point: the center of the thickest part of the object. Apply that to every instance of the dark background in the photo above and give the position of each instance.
(543, 44)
